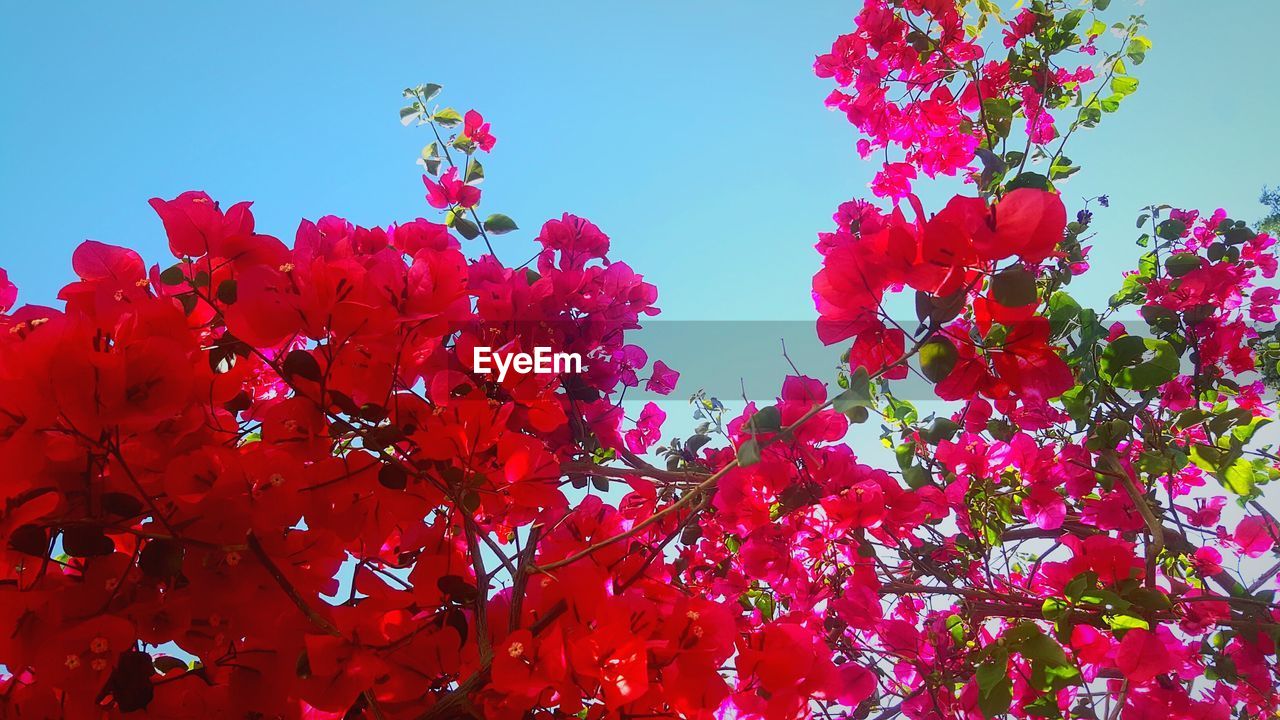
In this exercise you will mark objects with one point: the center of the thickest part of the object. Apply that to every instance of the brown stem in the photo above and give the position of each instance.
(1154, 527)
(482, 591)
(316, 618)
(320, 621)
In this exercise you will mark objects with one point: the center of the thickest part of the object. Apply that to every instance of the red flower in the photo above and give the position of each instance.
(1021, 26)
(1256, 535)
(197, 226)
(648, 429)
(450, 191)
(894, 181)
(1028, 224)
(475, 129)
(878, 349)
(1141, 656)
(8, 292)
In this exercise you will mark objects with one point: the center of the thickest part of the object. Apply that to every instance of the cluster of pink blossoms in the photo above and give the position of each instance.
(912, 78)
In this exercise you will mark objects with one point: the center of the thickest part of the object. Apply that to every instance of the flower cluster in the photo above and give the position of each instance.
(270, 480)
(1085, 462)
(914, 77)
(196, 452)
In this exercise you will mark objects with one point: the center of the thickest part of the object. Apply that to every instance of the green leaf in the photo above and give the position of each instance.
(938, 358)
(1060, 676)
(1063, 310)
(1124, 85)
(167, 663)
(499, 224)
(857, 396)
(1170, 229)
(1179, 264)
(1054, 608)
(431, 159)
(1138, 47)
(1014, 287)
(917, 477)
(942, 428)
(447, 118)
(748, 453)
(1150, 599)
(466, 228)
(998, 113)
(1138, 363)
(226, 293)
(1126, 622)
(1072, 19)
(903, 411)
(301, 364)
(1241, 477)
(173, 275)
(1028, 180)
(905, 454)
(992, 671)
(1079, 585)
(1043, 648)
(1244, 432)
(1062, 168)
(995, 689)
(1209, 458)
(409, 113)
(767, 419)
(767, 605)
(428, 92)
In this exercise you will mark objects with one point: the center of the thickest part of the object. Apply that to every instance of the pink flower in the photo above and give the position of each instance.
(1040, 126)
(1207, 561)
(627, 360)
(1142, 656)
(1207, 512)
(1255, 535)
(8, 292)
(894, 181)
(648, 429)
(1021, 26)
(1045, 508)
(576, 239)
(477, 130)
(420, 234)
(1262, 304)
(663, 380)
(450, 191)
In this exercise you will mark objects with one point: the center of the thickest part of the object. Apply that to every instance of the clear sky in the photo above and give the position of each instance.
(692, 132)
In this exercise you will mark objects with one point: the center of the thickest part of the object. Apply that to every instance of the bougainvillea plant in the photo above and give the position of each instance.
(268, 481)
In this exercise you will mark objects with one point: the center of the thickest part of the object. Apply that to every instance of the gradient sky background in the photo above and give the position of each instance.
(693, 133)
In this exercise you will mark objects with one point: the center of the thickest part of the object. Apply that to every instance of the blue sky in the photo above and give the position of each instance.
(693, 133)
